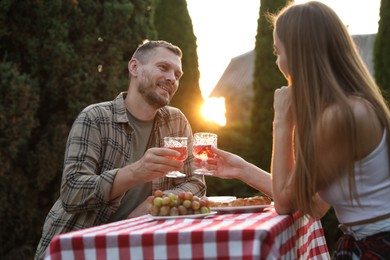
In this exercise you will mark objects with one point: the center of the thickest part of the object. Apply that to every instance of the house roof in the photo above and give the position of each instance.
(365, 45)
(238, 75)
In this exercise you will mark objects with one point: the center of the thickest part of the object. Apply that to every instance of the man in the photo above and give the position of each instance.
(114, 157)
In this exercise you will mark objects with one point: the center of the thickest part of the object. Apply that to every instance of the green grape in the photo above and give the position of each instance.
(204, 210)
(175, 203)
(195, 205)
(157, 201)
(172, 196)
(174, 211)
(164, 211)
(187, 204)
(182, 210)
(166, 201)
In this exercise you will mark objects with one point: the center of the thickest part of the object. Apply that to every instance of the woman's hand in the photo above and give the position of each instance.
(282, 107)
(227, 165)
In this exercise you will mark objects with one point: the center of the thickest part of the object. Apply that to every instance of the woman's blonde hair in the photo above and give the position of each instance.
(325, 68)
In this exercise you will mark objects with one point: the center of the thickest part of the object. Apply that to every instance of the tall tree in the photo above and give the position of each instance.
(56, 58)
(267, 78)
(382, 49)
(173, 24)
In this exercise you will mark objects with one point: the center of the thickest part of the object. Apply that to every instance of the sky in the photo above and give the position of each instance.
(227, 28)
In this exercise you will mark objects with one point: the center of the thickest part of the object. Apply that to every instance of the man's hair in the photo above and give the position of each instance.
(147, 47)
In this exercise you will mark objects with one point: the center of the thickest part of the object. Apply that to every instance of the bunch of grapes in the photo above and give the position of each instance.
(185, 203)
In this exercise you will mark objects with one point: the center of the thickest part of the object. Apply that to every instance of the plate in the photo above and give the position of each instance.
(242, 209)
(183, 216)
(222, 198)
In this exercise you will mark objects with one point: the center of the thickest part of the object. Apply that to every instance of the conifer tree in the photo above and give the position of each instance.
(267, 78)
(173, 24)
(382, 49)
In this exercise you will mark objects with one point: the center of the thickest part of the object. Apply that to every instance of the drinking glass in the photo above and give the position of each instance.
(178, 144)
(202, 151)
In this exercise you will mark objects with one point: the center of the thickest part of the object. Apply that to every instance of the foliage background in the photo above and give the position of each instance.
(57, 57)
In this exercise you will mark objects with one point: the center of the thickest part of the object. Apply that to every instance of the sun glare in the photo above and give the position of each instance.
(214, 110)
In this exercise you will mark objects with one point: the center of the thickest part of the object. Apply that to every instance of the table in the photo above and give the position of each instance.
(264, 235)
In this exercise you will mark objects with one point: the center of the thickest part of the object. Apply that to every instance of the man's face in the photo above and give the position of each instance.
(159, 77)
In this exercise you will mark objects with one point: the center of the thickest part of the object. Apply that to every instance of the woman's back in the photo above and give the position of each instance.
(372, 187)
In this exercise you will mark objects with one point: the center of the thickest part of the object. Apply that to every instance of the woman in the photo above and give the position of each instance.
(331, 133)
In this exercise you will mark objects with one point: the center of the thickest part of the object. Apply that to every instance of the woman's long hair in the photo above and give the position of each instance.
(325, 68)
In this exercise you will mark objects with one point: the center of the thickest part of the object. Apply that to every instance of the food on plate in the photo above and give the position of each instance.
(250, 201)
(185, 203)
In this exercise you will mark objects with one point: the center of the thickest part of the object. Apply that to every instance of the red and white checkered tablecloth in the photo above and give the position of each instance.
(264, 235)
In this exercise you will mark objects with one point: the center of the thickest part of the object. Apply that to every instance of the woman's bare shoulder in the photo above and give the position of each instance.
(365, 117)
(333, 136)
(369, 129)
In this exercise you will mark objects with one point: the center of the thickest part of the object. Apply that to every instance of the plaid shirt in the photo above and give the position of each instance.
(97, 146)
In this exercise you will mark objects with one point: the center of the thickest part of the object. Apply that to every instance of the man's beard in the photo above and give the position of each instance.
(147, 89)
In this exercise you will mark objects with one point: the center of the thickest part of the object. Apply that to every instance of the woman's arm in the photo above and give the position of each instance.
(231, 166)
(282, 161)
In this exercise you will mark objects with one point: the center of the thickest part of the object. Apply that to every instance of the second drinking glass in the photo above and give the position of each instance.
(202, 151)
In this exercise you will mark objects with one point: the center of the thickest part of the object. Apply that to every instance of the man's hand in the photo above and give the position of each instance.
(155, 163)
